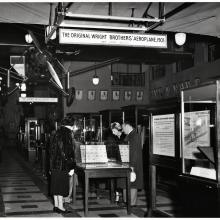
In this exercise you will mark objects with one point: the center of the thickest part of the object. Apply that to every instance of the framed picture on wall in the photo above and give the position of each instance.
(115, 95)
(103, 95)
(91, 95)
(127, 95)
(79, 94)
(139, 95)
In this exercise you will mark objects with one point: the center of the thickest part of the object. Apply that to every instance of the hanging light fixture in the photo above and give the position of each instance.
(180, 38)
(95, 79)
(23, 87)
(28, 38)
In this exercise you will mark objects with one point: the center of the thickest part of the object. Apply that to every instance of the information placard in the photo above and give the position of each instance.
(196, 132)
(164, 135)
(93, 154)
(124, 152)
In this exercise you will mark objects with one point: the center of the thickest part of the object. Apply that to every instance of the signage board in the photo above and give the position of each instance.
(164, 135)
(73, 36)
(37, 99)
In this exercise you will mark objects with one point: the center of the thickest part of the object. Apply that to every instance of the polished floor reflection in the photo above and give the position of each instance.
(24, 193)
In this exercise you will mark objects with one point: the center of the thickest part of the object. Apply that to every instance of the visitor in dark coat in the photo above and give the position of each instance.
(135, 157)
(115, 138)
(62, 162)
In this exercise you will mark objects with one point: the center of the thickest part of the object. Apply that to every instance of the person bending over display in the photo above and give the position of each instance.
(119, 139)
(135, 158)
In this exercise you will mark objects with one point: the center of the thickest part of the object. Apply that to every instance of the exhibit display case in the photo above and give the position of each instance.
(110, 116)
(137, 114)
(95, 155)
(94, 164)
(200, 135)
(198, 111)
(163, 167)
(87, 127)
(31, 137)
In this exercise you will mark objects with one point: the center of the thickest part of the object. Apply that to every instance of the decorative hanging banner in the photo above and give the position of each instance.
(73, 36)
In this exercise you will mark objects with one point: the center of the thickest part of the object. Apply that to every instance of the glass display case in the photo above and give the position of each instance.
(162, 166)
(87, 127)
(199, 116)
(137, 114)
(31, 137)
(200, 136)
(111, 115)
(95, 155)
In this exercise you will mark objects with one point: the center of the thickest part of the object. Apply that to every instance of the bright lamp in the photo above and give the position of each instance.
(23, 87)
(28, 38)
(95, 79)
(180, 38)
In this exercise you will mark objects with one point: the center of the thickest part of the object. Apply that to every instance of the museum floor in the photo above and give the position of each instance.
(24, 193)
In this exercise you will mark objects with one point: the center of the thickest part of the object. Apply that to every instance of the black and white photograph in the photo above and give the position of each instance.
(115, 95)
(109, 109)
(127, 95)
(103, 95)
(79, 94)
(91, 95)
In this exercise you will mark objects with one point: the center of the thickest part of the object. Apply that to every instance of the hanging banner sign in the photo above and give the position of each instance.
(73, 36)
(37, 99)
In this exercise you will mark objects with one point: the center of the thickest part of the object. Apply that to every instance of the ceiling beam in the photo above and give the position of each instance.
(110, 8)
(66, 23)
(93, 67)
(161, 10)
(110, 18)
(171, 13)
(145, 15)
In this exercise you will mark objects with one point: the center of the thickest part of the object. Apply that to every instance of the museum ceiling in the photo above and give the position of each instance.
(200, 18)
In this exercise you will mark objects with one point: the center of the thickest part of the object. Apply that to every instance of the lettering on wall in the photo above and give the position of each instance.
(174, 89)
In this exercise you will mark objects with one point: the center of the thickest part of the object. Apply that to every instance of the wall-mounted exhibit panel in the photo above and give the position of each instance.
(164, 135)
(164, 153)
